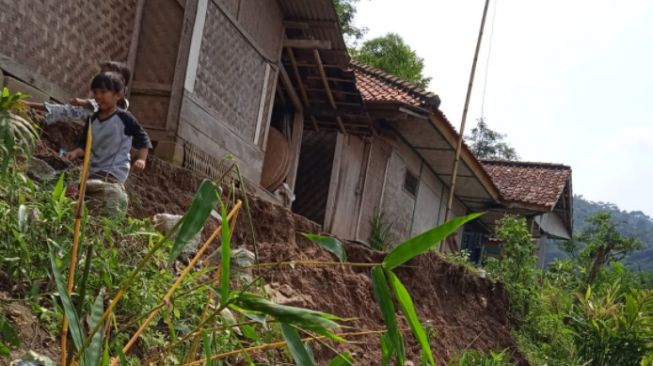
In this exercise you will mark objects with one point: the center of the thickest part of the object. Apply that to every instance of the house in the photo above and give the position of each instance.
(271, 84)
(540, 192)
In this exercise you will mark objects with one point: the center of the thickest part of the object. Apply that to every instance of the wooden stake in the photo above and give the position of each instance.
(456, 161)
(78, 225)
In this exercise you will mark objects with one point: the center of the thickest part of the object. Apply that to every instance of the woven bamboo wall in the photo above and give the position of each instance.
(230, 74)
(63, 40)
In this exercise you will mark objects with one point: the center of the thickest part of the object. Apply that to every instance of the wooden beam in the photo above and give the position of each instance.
(291, 24)
(336, 80)
(326, 66)
(136, 35)
(317, 90)
(307, 44)
(300, 84)
(290, 89)
(329, 94)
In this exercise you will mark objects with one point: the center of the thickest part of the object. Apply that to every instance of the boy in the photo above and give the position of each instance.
(115, 132)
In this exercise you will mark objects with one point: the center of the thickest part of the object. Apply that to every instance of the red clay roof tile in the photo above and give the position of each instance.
(539, 184)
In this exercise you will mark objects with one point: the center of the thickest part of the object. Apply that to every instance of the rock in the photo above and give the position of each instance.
(164, 222)
(40, 170)
(110, 199)
(242, 261)
(33, 359)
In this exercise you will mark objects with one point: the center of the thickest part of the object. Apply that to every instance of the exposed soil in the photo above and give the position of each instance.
(463, 310)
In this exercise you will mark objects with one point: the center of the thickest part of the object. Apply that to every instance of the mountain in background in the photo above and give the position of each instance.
(630, 223)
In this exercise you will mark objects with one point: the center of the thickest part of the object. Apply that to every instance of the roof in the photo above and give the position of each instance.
(378, 86)
(530, 183)
(380, 89)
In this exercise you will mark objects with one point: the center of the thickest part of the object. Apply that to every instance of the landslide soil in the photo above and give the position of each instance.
(460, 309)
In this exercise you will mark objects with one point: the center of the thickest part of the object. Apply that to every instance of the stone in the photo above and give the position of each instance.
(164, 222)
(40, 170)
(109, 199)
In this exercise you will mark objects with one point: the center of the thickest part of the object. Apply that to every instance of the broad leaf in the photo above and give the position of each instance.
(295, 345)
(93, 353)
(73, 320)
(408, 308)
(383, 298)
(207, 196)
(342, 359)
(422, 242)
(331, 244)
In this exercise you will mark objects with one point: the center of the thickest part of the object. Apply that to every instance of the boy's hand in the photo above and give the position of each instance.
(80, 102)
(139, 164)
(77, 153)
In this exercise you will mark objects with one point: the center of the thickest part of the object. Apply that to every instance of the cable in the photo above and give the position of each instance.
(487, 62)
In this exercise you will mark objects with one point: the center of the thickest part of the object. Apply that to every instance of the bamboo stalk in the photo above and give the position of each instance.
(277, 345)
(78, 225)
(180, 279)
(454, 171)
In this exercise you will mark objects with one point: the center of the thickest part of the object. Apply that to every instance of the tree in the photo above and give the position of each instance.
(346, 10)
(488, 144)
(603, 244)
(391, 54)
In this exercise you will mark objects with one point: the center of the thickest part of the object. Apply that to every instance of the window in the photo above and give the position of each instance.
(410, 183)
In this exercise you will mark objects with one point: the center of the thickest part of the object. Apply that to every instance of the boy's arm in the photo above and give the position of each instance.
(141, 157)
(140, 139)
(34, 105)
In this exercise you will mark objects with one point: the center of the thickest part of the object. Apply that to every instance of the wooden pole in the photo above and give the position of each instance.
(78, 225)
(454, 172)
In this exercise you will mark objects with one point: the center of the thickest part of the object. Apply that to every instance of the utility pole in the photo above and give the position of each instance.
(454, 172)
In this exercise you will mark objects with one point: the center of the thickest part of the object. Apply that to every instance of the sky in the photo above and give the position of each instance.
(568, 81)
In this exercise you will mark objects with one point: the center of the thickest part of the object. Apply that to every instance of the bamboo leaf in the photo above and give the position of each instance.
(422, 242)
(408, 308)
(93, 353)
(226, 256)
(206, 345)
(73, 320)
(58, 189)
(207, 196)
(331, 244)
(387, 349)
(295, 345)
(382, 296)
(342, 359)
(316, 321)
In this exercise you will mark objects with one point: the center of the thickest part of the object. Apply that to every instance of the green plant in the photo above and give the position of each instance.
(17, 133)
(380, 234)
(615, 328)
(475, 358)
(385, 284)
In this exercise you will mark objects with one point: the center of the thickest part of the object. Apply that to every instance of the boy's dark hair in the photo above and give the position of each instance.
(119, 67)
(111, 81)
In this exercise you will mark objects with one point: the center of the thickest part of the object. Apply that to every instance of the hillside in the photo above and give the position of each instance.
(630, 223)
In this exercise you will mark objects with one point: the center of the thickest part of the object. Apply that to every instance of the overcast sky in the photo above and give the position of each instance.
(569, 81)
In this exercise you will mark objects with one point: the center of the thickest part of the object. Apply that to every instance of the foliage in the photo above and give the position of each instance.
(391, 54)
(385, 285)
(475, 358)
(628, 223)
(517, 265)
(380, 232)
(329, 243)
(17, 133)
(486, 143)
(346, 11)
(615, 328)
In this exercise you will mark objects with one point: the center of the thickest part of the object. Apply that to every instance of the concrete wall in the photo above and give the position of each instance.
(230, 80)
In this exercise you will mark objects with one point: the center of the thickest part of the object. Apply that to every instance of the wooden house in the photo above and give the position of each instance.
(270, 83)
